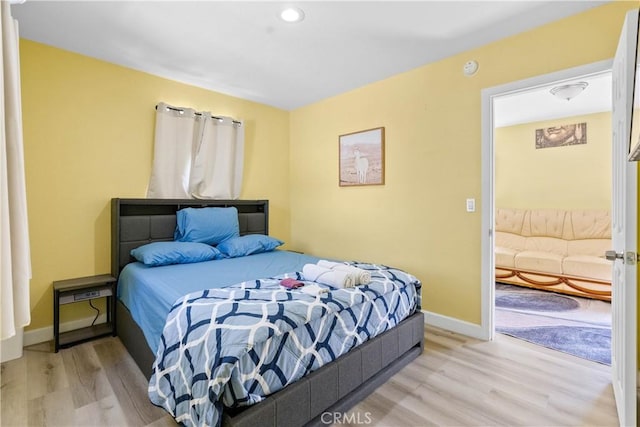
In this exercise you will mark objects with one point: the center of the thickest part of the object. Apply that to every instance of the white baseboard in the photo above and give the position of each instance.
(36, 336)
(454, 325)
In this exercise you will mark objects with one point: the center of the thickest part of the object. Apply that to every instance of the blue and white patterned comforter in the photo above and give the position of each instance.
(233, 346)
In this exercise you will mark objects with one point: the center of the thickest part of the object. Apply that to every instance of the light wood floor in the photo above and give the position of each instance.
(457, 381)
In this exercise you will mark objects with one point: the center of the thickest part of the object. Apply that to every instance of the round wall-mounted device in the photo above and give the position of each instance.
(470, 68)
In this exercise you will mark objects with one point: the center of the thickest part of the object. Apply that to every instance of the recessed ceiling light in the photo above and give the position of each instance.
(292, 14)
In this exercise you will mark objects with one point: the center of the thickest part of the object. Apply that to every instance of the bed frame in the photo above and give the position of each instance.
(334, 388)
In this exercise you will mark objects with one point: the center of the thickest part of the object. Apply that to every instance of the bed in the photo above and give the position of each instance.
(333, 387)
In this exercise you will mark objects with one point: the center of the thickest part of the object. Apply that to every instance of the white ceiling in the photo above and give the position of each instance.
(243, 49)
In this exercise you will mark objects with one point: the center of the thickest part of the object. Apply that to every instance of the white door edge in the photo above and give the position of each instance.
(624, 227)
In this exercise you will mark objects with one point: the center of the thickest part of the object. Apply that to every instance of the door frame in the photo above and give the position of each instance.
(487, 326)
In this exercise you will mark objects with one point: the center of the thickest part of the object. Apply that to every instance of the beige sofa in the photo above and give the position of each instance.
(558, 250)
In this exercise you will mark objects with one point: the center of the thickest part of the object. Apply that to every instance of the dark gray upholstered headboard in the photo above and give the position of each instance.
(135, 222)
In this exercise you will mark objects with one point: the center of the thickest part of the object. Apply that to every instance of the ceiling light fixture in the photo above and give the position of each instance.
(292, 14)
(569, 91)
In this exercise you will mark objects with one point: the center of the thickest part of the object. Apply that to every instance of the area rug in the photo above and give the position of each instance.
(573, 325)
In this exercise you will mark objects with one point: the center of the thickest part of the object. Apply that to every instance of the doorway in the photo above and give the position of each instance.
(489, 97)
(552, 151)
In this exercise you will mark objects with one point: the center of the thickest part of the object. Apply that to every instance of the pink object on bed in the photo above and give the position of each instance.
(291, 283)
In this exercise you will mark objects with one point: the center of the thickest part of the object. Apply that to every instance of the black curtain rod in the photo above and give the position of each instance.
(198, 114)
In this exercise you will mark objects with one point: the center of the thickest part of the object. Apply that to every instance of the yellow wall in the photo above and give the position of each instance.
(571, 177)
(431, 115)
(88, 137)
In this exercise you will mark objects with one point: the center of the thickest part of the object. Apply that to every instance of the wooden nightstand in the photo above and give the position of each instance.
(79, 290)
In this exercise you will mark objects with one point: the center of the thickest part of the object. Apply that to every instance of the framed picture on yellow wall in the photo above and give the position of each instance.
(560, 136)
(361, 157)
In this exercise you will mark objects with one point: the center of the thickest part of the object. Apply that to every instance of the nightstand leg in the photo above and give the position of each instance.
(111, 310)
(56, 321)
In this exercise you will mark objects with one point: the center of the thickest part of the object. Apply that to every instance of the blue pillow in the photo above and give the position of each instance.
(247, 245)
(165, 253)
(206, 225)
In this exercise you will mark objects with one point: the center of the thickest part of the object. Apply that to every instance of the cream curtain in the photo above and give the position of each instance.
(15, 260)
(196, 155)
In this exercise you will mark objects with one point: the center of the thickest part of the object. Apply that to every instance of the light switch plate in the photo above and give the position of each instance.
(471, 205)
